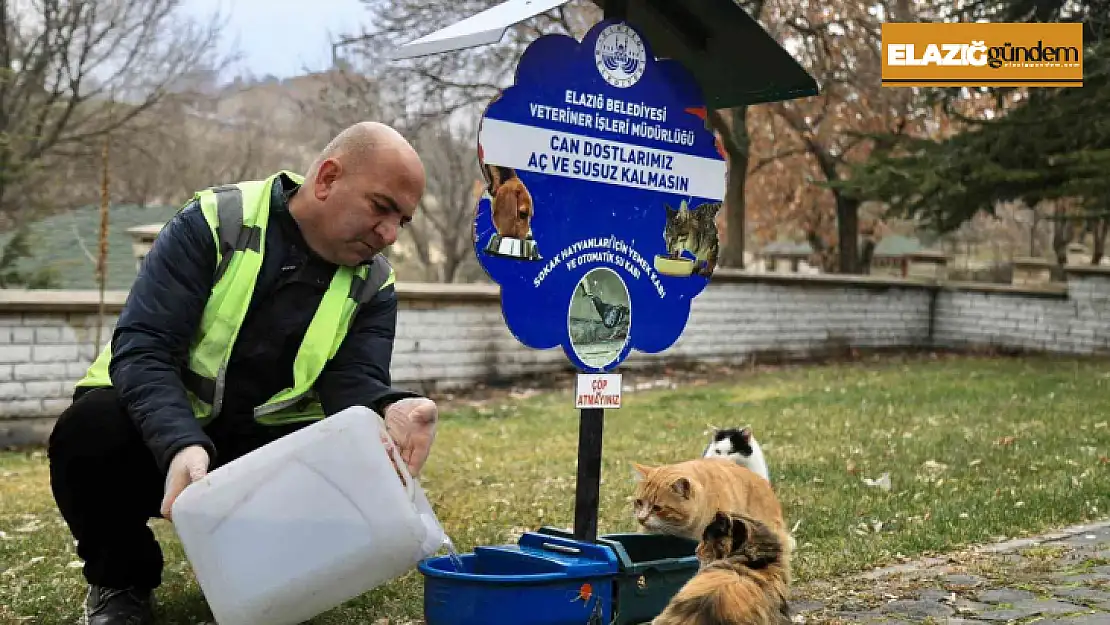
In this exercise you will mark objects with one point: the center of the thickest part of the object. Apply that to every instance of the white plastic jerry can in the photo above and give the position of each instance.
(303, 524)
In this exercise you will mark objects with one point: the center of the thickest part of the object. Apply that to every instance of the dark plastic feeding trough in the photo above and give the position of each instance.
(542, 580)
(652, 568)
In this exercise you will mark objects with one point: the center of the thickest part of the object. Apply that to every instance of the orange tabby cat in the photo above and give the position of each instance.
(743, 578)
(682, 499)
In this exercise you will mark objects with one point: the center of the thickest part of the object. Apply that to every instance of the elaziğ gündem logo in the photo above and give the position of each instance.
(982, 55)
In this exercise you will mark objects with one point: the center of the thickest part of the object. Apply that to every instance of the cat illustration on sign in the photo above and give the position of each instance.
(692, 230)
(511, 210)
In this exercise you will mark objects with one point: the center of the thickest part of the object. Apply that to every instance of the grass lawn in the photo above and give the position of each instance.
(976, 449)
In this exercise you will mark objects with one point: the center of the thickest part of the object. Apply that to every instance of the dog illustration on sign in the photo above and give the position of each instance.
(511, 210)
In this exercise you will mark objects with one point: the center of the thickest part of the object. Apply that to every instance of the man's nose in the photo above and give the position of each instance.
(388, 232)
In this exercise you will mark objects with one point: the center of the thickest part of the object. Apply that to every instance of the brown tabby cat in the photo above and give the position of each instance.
(681, 499)
(743, 578)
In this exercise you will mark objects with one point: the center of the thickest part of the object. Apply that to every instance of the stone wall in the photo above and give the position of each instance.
(453, 335)
(1073, 320)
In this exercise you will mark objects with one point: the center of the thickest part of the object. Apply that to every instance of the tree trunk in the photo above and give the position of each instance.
(1061, 236)
(8, 217)
(737, 146)
(734, 142)
(1102, 227)
(847, 233)
(866, 254)
(450, 267)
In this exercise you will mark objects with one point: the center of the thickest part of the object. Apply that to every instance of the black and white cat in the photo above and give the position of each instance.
(740, 446)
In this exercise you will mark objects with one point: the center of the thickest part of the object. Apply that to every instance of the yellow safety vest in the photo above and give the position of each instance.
(238, 215)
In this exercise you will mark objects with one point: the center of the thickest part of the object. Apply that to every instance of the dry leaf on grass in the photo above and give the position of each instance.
(27, 528)
(882, 482)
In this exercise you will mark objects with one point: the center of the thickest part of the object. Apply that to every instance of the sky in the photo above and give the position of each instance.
(282, 37)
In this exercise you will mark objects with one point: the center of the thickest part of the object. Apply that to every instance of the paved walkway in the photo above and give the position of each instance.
(1057, 579)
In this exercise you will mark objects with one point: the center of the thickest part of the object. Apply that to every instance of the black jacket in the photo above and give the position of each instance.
(162, 314)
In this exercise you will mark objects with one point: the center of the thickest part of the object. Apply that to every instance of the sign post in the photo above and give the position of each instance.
(603, 184)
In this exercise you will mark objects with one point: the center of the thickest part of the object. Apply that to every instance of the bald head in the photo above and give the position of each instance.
(366, 142)
(359, 191)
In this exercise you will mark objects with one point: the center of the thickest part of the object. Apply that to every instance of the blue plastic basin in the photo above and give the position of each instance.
(542, 580)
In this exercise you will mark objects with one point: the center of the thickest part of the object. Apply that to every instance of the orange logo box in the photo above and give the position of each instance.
(982, 54)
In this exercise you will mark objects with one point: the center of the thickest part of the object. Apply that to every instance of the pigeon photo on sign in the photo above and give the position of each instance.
(602, 199)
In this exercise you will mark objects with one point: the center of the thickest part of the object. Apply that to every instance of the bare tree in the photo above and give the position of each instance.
(352, 93)
(436, 246)
(463, 81)
(440, 234)
(73, 71)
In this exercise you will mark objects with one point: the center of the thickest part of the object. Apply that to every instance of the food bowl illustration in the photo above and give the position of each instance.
(672, 266)
(509, 247)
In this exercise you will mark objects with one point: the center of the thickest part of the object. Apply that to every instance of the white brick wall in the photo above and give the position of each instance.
(1075, 320)
(450, 336)
(42, 354)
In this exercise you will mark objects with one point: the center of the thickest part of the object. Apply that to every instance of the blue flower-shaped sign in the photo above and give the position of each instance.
(603, 191)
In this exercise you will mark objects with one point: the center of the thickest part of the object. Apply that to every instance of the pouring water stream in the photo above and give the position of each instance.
(452, 553)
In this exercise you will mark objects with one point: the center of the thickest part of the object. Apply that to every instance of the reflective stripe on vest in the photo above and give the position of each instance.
(237, 216)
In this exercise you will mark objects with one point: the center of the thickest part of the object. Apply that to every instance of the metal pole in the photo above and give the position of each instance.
(587, 494)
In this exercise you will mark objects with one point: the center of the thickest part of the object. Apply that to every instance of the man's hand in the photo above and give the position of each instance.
(411, 422)
(188, 465)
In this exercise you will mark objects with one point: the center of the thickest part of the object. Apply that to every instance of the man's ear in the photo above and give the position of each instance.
(719, 527)
(324, 180)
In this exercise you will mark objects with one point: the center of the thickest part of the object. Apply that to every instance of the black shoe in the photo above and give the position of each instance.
(112, 606)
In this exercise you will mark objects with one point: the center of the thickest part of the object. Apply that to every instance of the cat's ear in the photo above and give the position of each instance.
(640, 472)
(746, 434)
(740, 532)
(718, 528)
(682, 487)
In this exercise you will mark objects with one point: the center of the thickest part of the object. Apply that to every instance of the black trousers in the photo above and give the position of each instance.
(107, 485)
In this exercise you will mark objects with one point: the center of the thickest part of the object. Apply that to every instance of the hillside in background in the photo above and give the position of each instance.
(55, 244)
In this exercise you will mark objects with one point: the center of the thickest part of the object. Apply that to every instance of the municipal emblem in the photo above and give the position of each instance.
(620, 56)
